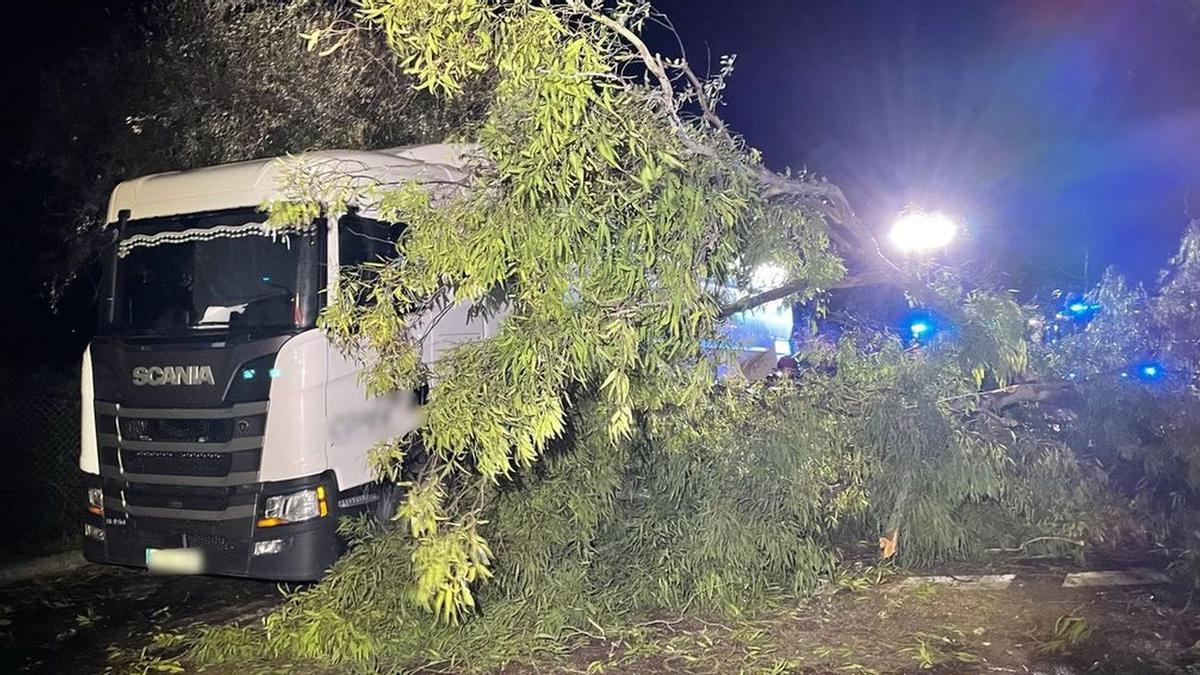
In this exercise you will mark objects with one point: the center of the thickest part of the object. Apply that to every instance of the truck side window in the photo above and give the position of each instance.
(362, 240)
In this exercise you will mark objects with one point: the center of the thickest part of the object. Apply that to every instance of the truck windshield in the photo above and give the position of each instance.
(205, 274)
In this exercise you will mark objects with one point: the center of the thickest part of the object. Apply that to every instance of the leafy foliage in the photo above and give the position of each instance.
(585, 461)
(583, 215)
(1143, 435)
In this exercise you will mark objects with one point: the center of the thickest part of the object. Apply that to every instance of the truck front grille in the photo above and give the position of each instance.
(196, 465)
(177, 430)
(177, 463)
(211, 447)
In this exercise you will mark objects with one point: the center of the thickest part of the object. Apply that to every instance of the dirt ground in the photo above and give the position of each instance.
(98, 618)
(1034, 626)
(69, 623)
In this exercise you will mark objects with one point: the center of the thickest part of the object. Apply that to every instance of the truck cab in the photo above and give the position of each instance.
(222, 432)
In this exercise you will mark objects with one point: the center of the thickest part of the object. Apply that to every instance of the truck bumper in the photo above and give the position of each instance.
(297, 552)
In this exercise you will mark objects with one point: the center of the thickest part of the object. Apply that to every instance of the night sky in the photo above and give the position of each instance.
(1059, 131)
(1056, 130)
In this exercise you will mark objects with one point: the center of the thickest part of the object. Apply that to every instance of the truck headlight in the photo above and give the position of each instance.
(95, 500)
(295, 507)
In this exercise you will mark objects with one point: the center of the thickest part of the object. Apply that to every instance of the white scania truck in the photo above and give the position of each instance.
(221, 431)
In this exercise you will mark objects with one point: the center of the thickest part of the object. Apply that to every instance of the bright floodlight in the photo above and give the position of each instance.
(922, 231)
(768, 276)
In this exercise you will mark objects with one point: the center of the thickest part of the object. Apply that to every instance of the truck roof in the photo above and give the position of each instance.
(250, 183)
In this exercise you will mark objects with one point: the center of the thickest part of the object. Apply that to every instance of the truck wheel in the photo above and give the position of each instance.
(390, 496)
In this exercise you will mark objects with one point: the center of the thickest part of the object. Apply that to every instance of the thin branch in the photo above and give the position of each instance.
(1022, 547)
(706, 108)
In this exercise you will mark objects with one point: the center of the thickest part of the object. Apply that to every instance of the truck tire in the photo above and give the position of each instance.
(390, 496)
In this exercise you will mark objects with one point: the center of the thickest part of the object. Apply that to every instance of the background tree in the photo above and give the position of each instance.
(193, 83)
(1125, 370)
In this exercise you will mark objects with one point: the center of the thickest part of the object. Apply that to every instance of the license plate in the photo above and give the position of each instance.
(175, 560)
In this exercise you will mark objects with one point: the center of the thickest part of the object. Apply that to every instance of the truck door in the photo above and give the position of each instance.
(355, 421)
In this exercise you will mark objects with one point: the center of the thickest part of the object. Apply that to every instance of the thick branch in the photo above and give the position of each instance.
(1028, 392)
(1033, 391)
(750, 302)
(791, 288)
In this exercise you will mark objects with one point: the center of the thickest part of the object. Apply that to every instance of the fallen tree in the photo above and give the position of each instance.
(586, 461)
